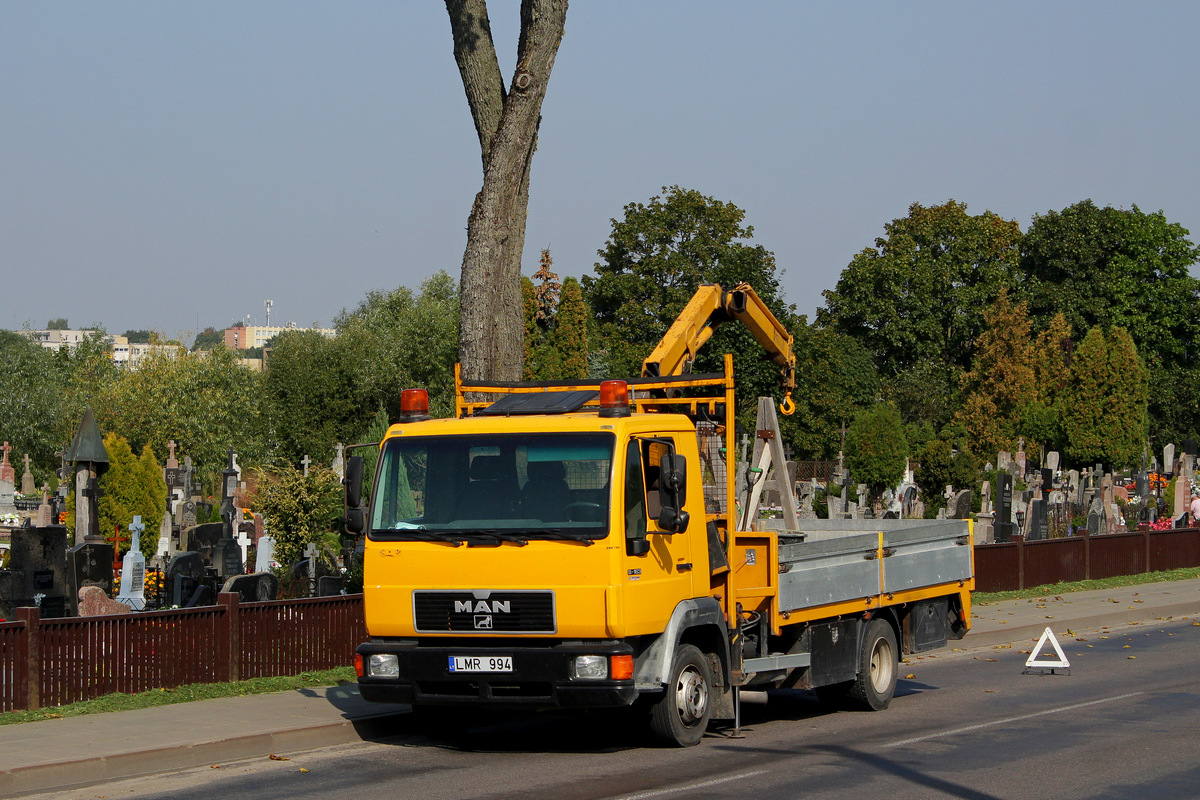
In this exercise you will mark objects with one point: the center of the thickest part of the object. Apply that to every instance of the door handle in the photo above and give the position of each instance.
(684, 566)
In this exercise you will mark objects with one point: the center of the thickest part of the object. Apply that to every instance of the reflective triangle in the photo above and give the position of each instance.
(1047, 662)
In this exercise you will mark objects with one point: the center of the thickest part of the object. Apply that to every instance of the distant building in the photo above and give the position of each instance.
(244, 337)
(123, 353)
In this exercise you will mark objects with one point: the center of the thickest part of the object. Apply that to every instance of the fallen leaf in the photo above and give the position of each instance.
(1091, 645)
(991, 659)
(1049, 616)
(1131, 657)
(989, 691)
(274, 757)
(214, 766)
(1126, 647)
(1005, 622)
(302, 769)
(909, 676)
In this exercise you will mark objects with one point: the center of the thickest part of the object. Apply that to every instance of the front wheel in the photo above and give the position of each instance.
(876, 681)
(681, 716)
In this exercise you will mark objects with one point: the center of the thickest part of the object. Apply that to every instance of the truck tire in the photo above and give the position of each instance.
(681, 715)
(876, 681)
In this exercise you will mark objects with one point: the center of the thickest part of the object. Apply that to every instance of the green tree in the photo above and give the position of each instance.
(314, 395)
(652, 264)
(876, 450)
(209, 338)
(835, 379)
(58, 324)
(570, 331)
(919, 293)
(1106, 267)
(298, 509)
(205, 402)
(945, 460)
(542, 360)
(31, 408)
(131, 486)
(1104, 403)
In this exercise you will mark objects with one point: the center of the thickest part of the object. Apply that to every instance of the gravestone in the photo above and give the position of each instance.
(1004, 528)
(187, 580)
(7, 473)
(1047, 480)
(1003, 459)
(1019, 458)
(93, 602)
(908, 502)
(164, 547)
(1052, 459)
(1037, 523)
(227, 558)
(1169, 458)
(89, 564)
(985, 501)
(1190, 445)
(253, 588)
(37, 569)
(1142, 484)
(187, 514)
(1120, 493)
(133, 569)
(1181, 497)
(202, 539)
(961, 505)
(28, 485)
(264, 554)
(338, 467)
(984, 529)
(329, 585)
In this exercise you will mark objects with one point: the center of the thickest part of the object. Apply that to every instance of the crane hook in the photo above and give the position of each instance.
(787, 406)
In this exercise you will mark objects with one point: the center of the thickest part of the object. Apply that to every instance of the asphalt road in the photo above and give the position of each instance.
(1124, 724)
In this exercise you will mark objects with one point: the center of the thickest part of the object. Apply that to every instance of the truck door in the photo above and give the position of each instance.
(657, 564)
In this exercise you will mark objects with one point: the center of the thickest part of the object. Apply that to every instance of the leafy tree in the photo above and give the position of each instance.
(1104, 403)
(88, 371)
(918, 294)
(131, 486)
(205, 402)
(1003, 381)
(1106, 267)
(209, 338)
(570, 331)
(652, 264)
(945, 460)
(542, 360)
(506, 121)
(314, 395)
(548, 289)
(58, 324)
(30, 400)
(395, 341)
(876, 450)
(142, 337)
(835, 379)
(299, 509)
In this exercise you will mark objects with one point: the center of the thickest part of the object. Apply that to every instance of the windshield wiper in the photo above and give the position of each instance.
(561, 534)
(446, 537)
(518, 539)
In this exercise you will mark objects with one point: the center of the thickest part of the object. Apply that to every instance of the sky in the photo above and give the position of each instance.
(172, 166)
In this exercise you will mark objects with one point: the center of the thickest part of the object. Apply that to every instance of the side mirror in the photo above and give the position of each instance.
(354, 481)
(356, 521)
(637, 547)
(672, 493)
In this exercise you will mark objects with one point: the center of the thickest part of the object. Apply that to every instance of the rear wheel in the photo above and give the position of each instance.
(681, 715)
(876, 681)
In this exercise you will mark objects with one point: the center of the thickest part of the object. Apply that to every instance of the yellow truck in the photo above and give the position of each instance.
(576, 545)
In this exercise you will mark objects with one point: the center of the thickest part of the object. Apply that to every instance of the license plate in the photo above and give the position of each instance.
(481, 664)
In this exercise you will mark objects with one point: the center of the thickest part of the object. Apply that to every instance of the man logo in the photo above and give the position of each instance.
(483, 622)
(482, 607)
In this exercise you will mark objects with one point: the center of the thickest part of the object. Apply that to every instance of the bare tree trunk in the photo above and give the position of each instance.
(490, 322)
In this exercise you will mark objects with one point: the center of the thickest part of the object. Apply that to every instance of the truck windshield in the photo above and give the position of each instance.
(493, 488)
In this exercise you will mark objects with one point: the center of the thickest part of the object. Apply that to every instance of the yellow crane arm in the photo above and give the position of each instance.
(709, 307)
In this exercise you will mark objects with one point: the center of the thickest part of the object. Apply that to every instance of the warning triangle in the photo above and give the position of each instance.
(1047, 661)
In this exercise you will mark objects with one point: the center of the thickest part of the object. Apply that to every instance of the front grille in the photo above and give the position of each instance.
(484, 612)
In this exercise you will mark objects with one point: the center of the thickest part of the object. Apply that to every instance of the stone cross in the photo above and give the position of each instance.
(310, 553)
(172, 463)
(338, 466)
(305, 462)
(133, 570)
(7, 473)
(244, 542)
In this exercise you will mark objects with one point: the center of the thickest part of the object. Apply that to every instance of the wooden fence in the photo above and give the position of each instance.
(1018, 564)
(51, 662)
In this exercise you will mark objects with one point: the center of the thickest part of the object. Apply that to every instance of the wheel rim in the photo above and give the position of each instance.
(691, 696)
(883, 664)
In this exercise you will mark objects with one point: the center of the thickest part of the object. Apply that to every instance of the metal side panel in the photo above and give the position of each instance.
(829, 571)
(925, 556)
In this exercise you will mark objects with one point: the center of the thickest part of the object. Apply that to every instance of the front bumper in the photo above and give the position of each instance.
(541, 677)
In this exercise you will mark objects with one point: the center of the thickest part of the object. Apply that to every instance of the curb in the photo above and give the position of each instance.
(80, 773)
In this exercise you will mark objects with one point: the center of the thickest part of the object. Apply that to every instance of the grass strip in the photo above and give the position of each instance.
(1186, 573)
(183, 694)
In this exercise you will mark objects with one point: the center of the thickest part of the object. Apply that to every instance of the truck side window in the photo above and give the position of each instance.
(635, 494)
